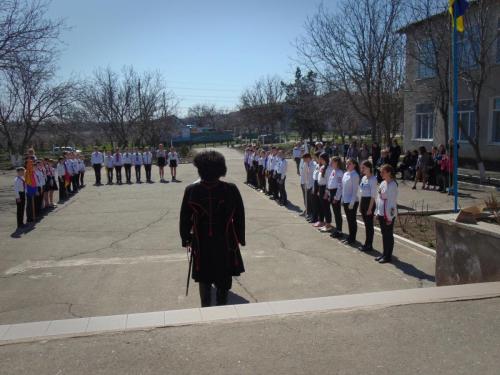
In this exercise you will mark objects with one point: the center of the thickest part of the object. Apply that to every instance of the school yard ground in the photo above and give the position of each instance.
(116, 250)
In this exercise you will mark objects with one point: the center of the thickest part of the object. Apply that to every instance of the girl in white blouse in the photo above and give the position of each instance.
(386, 211)
(368, 193)
(350, 186)
(335, 192)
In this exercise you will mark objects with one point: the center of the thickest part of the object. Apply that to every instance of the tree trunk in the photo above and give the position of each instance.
(480, 164)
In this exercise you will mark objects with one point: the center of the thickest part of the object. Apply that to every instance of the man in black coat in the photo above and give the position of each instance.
(212, 225)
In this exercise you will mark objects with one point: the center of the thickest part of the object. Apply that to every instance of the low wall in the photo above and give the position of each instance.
(466, 253)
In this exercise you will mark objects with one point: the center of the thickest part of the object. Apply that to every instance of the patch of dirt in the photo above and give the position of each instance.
(417, 228)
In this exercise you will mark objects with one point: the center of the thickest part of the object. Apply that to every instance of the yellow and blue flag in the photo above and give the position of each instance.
(457, 10)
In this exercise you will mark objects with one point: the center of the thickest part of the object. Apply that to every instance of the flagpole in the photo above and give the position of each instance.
(455, 112)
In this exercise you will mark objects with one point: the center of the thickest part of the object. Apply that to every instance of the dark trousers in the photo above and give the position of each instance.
(137, 173)
(309, 199)
(81, 175)
(97, 171)
(276, 191)
(337, 210)
(128, 172)
(315, 206)
(147, 168)
(325, 205)
(21, 203)
(270, 186)
(247, 169)
(74, 182)
(62, 189)
(109, 175)
(118, 170)
(283, 197)
(30, 208)
(206, 294)
(297, 161)
(38, 201)
(368, 220)
(387, 236)
(351, 221)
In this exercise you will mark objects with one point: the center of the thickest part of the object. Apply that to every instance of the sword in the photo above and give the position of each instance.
(190, 258)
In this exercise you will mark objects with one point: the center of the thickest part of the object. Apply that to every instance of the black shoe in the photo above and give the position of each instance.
(336, 234)
(376, 259)
(366, 248)
(384, 260)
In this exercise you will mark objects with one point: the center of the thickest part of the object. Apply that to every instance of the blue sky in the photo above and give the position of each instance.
(208, 51)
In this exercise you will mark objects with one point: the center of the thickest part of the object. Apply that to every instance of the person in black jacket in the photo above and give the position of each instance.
(212, 227)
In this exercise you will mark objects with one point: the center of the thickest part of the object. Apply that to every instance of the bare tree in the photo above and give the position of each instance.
(479, 43)
(350, 50)
(262, 104)
(202, 114)
(26, 31)
(28, 100)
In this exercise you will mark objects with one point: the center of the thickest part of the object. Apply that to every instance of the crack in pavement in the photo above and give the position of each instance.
(115, 242)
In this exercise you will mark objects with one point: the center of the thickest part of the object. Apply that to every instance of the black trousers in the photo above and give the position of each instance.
(118, 170)
(276, 188)
(20, 209)
(297, 161)
(147, 168)
(137, 173)
(367, 219)
(247, 169)
(283, 197)
(315, 206)
(222, 291)
(38, 201)
(387, 236)
(74, 182)
(30, 208)
(309, 199)
(270, 184)
(337, 210)
(128, 172)
(325, 205)
(62, 189)
(97, 171)
(109, 174)
(81, 175)
(351, 221)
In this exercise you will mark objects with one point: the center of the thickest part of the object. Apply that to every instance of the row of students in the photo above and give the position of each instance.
(128, 160)
(267, 171)
(36, 182)
(327, 187)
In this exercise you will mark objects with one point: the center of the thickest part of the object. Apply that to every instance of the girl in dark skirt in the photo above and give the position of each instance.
(51, 184)
(173, 162)
(161, 155)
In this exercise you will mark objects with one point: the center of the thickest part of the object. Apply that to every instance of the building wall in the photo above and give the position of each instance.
(419, 91)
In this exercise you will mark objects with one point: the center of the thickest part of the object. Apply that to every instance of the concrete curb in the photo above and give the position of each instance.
(36, 331)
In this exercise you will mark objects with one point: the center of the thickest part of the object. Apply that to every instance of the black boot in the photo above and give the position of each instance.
(205, 294)
(221, 297)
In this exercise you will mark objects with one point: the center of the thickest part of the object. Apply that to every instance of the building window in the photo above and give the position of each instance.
(424, 122)
(467, 117)
(426, 60)
(469, 45)
(495, 126)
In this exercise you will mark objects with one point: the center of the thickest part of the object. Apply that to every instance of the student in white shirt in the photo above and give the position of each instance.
(334, 187)
(75, 172)
(109, 164)
(81, 170)
(350, 187)
(40, 183)
(271, 182)
(261, 179)
(147, 160)
(368, 193)
(20, 193)
(325, 217)
(61, 178)
(127, 164)
(118, 163)
(161, 156)
(137, 163)
(282, 171)
(296, 154)
(173, 162)
(97, 161)
(306, 178)
(387, 210)
(51, 184)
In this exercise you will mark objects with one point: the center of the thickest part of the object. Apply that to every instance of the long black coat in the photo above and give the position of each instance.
(213, 221)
